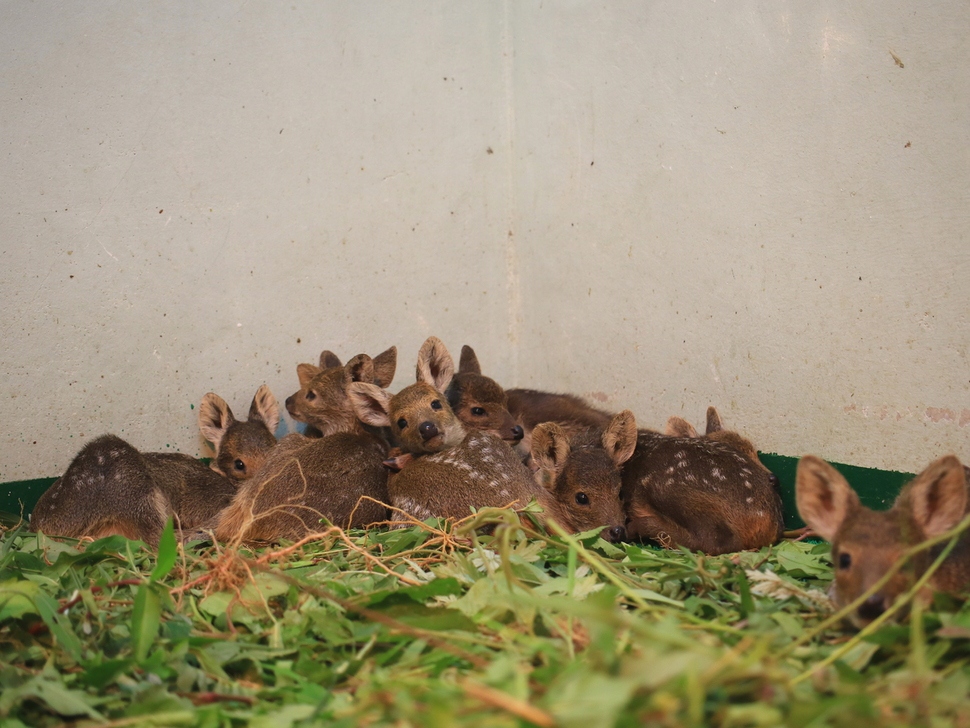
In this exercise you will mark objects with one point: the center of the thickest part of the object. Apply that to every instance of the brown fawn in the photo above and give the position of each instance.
(322, 400)
(573, 414)
(479, 401)
(338, 477)
(112, 488)
(866, 543)
(708, 494)
(679, 427)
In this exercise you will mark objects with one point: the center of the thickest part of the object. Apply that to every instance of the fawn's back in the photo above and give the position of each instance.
(702, 493)
(112, 488)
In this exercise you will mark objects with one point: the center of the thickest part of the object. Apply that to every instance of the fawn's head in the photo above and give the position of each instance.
(480, 402)
(419, 416)
(867, 543)
(583, 476)
(241, 445)
(322, 400)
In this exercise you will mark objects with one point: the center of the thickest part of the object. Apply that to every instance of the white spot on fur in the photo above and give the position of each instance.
(747, 484)
(749, 500)
(680, 454)
(670, 470)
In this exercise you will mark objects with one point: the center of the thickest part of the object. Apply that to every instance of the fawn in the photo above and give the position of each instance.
(480, 402)
(708, 494)
(338, 476)
(574, 415)
(322, 400)
(580, 476)
(112, 488)
(866, 543)
(679, 427)
(419, 417)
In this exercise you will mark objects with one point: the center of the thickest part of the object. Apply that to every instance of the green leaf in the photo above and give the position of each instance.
(145, 619)
(167, 552)
(48, 689)
(17, 598)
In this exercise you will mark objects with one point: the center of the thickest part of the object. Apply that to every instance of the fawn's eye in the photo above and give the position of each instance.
(239, 465)
(478, 411)
(845, 560)
(402, 423)
(435, 405)
(311, 395)
(582, 499)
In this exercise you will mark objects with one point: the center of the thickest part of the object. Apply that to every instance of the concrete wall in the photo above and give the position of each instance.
(663, 206)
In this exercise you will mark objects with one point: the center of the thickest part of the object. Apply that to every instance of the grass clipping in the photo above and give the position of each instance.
(436, 624)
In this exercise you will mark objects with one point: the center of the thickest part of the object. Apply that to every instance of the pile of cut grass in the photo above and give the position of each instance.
(438, 625)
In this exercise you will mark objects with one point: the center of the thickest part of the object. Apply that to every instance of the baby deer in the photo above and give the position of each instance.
(580, 478)
(480, 402)
(419, 417)
(709, 494)
(322, 402)
(530, 407)
(112, 488)
(339, 476)
(866, 543)
(679, 427)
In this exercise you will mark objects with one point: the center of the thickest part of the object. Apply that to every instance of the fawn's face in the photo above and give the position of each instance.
(322, 399)
(243, 450)
(481, 404)
(864, 548)
(241, 446)
(866, 543)
(422, 420)
(588, 492)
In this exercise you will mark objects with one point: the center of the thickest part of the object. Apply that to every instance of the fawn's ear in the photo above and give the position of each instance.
(468, 363)
(550, 448)
(679, 427)
(265, 409)
(620, 437)
(360, 369)
(215, 417)
(385, 364)
(371, 403)
(713, 421)
(435, 365)
(329, 360)
(938, 496)
(305, 373)
(823, 497)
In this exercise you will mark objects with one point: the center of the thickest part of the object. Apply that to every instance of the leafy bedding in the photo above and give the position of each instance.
(439, 625)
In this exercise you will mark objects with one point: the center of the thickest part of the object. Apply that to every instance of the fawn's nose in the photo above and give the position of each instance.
(872, 607)
(427, 430)
(617, 534)
(773, 479)
(517, 432)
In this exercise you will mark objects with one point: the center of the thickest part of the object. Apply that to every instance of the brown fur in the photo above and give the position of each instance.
(240, 446)
(581, 477)
(480, 402)
(322, 400)
(306, 479)
(530, 407)
(419, 417)
(679, 427)
(866, 543)
(112, 488)
(702, 493)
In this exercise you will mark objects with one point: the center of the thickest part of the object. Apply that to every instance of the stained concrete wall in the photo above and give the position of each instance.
(663, 206)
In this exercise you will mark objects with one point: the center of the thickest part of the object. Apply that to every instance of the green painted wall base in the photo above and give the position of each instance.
(876, 488)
